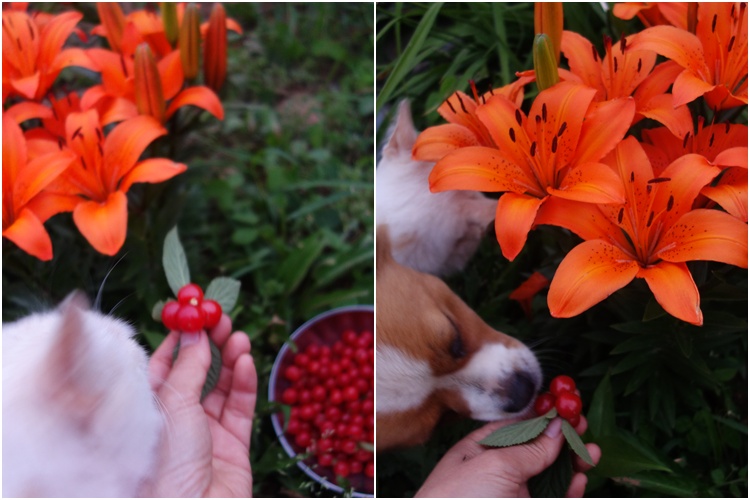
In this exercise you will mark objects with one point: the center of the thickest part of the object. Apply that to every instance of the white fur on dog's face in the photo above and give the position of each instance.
(483, 382)
(480, 388)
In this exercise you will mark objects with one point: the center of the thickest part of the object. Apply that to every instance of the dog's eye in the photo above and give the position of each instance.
(457, 348)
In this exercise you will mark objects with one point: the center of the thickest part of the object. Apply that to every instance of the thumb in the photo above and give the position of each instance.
(191, 366)
(532, 458)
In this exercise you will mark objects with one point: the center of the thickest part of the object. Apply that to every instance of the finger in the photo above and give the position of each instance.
(238, 344)
(577, 486)
(220, 333)
(596, 454)
(582, 426)
(191, 366)
(237, 417)
(161, 361)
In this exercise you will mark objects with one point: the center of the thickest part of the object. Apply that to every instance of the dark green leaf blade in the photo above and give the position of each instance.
(517, 433)
(175, 262)
(574, 440)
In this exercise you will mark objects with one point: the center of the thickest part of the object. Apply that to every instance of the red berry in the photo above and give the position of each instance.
(169, 315)
(349, 337)
(325, 459)
(212, 310)
(293, 373)
(355, 467)
(350, 393)
(370, 469)
(544, 403)
(560, 384)
(289, 396)
(303, 439)
(568, 405)
(190, 294)
(190, 318)
(341, 468)
(574, 421)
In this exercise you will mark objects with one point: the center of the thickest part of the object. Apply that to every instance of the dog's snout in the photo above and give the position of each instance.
(520, 391)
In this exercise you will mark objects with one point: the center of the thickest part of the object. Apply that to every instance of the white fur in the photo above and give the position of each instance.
(480, 381)
(79, 417)
(402, 382)
(436, 233)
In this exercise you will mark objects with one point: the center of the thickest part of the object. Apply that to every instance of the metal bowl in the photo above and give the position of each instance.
(324, 329)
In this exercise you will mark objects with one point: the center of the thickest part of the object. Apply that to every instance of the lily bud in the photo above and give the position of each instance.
(149, 96)
(692, 17)
(113, 20)
(548, 19)
(169, 19)
(189, 41)
(545, 65)
(215, 52)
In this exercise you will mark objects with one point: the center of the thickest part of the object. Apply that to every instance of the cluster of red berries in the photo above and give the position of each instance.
(190, 312)
(561, 396)
(332, 403)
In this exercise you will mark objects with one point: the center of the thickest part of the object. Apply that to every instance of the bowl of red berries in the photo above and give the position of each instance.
(323, 383)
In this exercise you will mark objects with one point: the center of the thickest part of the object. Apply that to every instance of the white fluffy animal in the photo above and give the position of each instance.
(436, 233)
(79, 416)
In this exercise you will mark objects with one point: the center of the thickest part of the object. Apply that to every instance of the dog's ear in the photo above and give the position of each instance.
(403, 135)
(383, 244)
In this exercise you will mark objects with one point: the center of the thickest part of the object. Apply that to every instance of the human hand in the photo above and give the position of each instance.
(470, 470)
(204, 450)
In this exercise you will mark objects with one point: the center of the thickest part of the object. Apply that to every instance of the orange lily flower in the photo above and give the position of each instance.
(33, 57)
(714, 59)
(23, 183)
(189, 40)
(105, 170)
(215, 49)
(724, 145)
(622, 72)
(464, 128)
(653, 13)
(526, 291)
(650, 236)
(555, 152)
(115, 98)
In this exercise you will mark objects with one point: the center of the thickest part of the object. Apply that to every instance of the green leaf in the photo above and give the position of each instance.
(297, 264)
(666, 484)
(623, 455)
(601, 415)
(739, 426)
(225, 291)
(517, 433)
(156, 311)
(175, 262)
(574, 440)
(409, 58)
(553, 482)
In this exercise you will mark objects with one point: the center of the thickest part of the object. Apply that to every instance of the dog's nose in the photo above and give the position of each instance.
(520, 391)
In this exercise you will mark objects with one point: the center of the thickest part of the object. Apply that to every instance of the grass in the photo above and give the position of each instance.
(279, 195)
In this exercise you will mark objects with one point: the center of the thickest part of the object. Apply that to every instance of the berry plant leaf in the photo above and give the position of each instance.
(553, 482)
(225, 291)
(175, 262)
(575, 442)
(517, 433)
(156, 311)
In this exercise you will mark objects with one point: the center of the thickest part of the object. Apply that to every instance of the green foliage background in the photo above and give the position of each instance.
(279, 195)
(666, 401)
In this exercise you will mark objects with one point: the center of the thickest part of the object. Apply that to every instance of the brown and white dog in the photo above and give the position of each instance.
(434, 353)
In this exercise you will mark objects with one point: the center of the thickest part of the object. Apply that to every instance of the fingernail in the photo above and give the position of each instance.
(189, 338)
(554, 428)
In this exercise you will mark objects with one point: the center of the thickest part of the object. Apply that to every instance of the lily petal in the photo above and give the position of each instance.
(661, 108)
(591, 182)
(579, 52)
(590, 273)
(584, 219)
(39, 173)
(202, 97)
(125, 144)
(689, 87)
(514, 217)
(435, 142)
(477, 169)
(704, 234)
(688, 174)
(27, 86)
(731, 193)
(104, 225)
(732, 157)
(152, 170)
(27, 110)
(676, 44)
(29, 234)
(46, 204)
(600, 133)
(674, 289)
